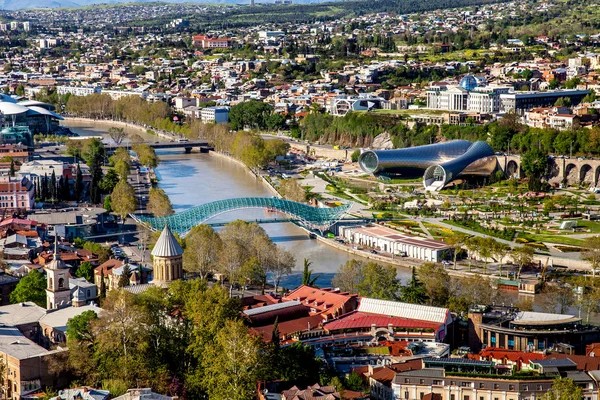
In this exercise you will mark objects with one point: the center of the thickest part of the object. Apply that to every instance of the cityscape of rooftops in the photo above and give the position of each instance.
(300, 199)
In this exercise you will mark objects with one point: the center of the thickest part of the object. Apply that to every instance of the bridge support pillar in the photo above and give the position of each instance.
(188, 150)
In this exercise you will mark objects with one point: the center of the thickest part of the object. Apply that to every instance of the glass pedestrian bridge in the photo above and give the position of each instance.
(308, 216)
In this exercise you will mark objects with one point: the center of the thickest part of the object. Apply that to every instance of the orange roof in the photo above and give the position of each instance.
(107, 266)
(511, 355)
(326, 301)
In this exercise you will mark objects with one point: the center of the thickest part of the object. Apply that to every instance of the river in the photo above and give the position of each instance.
(194, 179)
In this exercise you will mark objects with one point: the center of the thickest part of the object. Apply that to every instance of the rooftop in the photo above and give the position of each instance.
(167, 245)
(404, 310)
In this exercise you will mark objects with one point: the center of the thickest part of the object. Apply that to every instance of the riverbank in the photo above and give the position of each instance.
(119, 124)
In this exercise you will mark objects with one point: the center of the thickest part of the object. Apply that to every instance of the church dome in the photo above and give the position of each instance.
(468, 82)
(167, 245)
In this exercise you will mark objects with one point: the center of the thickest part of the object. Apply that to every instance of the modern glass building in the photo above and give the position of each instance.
(440, 163)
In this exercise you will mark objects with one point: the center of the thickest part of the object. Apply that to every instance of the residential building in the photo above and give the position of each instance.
(78, 90)
(16, 194)
(82, 393)
(215, 115)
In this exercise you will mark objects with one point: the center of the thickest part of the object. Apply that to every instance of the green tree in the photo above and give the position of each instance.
(79, 327)
(30, 288)
(159, 203)
(535, 165)
(414, 292)
(117, 134)
(456, 242)
(379, 282)
(522, 256)
(78, 183)
(435, 280)
(307, 278)
(354, 156)
(123, 199)
(564, 389)
(232, 363)
(86, 270)
(202, 249)
(124, 277)
(108, 204)
(109, 181)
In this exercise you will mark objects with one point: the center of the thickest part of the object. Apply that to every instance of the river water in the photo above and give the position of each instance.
(194, 179)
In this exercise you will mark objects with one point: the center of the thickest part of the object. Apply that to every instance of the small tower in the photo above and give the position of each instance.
(168, 259)
(58, 293)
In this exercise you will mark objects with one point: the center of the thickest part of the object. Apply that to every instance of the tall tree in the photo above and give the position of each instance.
(349, 276)
(414, 292)
(203, 247)
(30, 288)
(591, 252)
(379, 282)
(123, 199)
(53, 187)
(232, 363)
(456, 242)
(564, 389)
(307, 274)
(78, 183)
(86, 270)
(159, 203)
(535, 165)
(282, 263)
(117, 134)
(522, 256)
(435, 279)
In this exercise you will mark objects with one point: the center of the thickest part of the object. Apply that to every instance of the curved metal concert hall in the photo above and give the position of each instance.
(441, 163)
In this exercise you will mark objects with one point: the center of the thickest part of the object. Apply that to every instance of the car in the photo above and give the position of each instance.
(374, 252)
(446, 262)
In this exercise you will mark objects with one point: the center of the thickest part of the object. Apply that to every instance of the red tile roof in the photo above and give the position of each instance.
(289, 327)
(357, 320)
(324, 301)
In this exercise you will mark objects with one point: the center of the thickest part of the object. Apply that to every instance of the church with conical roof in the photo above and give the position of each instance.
(167, 259)
(58, 293)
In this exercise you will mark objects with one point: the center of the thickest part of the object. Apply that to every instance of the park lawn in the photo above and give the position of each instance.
(558, 239)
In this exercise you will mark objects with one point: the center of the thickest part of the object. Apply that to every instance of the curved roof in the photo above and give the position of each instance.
(167, 245)
(12, 108)
(29, 103)
(7, 99)
(33, 110)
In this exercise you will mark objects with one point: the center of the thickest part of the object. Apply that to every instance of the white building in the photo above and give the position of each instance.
(393, 242)
(27, 26)
(78, 90)
(118, 94)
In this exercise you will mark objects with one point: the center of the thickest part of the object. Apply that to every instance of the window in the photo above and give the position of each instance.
(422, 381)
(465, 397)
(438, 382)
(61, 283)
(89, 293)
(406, 395)
(496, 386)
(539, 387)
(421, 394)
(525, 388)
(480, 397)
(452, 383)
(406, 380)
(465, 384)
(452, 397)
(481, 385)
(511, 387)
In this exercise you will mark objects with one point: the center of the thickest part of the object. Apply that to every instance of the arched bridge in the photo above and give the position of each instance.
(311, 217)
(572, 171)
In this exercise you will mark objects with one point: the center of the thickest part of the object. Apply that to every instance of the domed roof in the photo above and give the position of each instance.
(468, 82)
(167, 245)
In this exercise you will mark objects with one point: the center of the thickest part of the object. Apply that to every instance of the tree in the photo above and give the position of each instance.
(591, 252)
(122, 168)
(379, 282)
(78, 183)
(349, 276)
(522, 255)
(299, 364)
(146, 155)
(125, 276)
(159, 203)
(202, 249)
(117, 134)
(292, 190)
(535, 164)
(109, 181)
(86, 270)
(79, 327)
(30, 288)
(556, 297)
(123, 199)
(232, 363)
(456, 242)
(108, 204)
(282, 263)
(12, 168)
(414, 292)
(307, 278)
(435, 279)
(499, 251)
(354, 156)
(564, 389)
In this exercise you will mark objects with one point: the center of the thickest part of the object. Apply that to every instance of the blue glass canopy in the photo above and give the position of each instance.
(311, 217)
